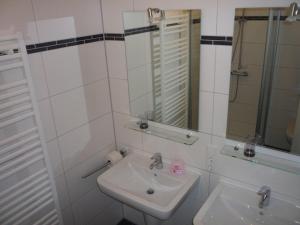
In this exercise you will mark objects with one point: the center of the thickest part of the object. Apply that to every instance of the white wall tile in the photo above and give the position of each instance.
(38, 75)
(119, 95)
(138, 82)
(133, 215)
(64, 19)
(89, 206)
(222, 76)
(255, 31)
(207, 67)
(287, 78)
(62, 191)
(141, 105)
(136, 50)
(169, 149)
(116, 59)
(76, 107)
(47, 119)
(125, 136)
(97, 99)
(55, 157)
(17, 16)
(288, 56)
(220, 114)
(63, 69)
(78, 145)
(113, 14)
(70, 110)
(243, 113)
(110, 215)
(289, 33)
(253, 54)
(67, 216)
(247, 94)
(92, 61)
(78, 186)
(136, 19)
(205, 111)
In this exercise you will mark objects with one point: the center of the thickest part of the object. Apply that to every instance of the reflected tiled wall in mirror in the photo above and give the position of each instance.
(265, 79)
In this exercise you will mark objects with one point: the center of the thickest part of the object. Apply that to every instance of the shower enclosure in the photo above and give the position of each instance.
(265, 55)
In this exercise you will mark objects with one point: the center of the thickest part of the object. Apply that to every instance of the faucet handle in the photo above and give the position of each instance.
(263, 190)
(156, 156)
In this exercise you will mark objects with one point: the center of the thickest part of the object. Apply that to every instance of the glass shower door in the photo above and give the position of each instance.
(269, 65)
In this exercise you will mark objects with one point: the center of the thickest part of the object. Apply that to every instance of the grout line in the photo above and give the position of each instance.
(77, 87)
(83, 124)
(99, 150)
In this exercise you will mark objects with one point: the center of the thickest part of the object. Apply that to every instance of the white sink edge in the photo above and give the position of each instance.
(228, 182)
(161, 212)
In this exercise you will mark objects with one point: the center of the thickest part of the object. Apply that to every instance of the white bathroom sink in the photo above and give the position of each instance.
(130, 179)
(231, 204)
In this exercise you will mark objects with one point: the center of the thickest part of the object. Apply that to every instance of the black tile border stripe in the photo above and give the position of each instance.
(140, 30)
(258, 18)
(46, 46)
(216, 40)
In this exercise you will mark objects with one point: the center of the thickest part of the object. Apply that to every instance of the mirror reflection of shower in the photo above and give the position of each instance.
(238, 46)
(265, 104)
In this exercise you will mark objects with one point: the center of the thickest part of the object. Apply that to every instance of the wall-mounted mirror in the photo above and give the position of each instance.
(163, 56)
(265, 78)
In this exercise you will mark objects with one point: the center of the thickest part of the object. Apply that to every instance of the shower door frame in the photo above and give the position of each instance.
(269, 69)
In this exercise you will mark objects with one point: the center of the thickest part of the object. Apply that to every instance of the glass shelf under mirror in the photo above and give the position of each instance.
(186, 139)
(263, 159)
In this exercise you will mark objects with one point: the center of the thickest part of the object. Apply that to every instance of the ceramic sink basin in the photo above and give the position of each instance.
(155, 192)
(231, 204)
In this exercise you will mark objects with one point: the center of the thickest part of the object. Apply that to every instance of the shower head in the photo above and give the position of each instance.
(293, 13)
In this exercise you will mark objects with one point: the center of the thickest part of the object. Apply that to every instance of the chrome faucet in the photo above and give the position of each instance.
(265, 194)
(157, 161)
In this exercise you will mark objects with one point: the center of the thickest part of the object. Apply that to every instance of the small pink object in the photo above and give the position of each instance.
(177, 168)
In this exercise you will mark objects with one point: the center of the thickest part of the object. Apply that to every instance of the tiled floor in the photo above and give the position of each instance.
(125, 222)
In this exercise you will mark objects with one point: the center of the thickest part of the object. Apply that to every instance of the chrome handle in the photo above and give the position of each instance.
(96, 170)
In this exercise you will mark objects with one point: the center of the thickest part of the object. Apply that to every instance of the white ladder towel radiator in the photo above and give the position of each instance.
(171, 69)
(27, 191)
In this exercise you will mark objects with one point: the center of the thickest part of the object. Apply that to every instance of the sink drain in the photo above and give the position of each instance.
(150, 191)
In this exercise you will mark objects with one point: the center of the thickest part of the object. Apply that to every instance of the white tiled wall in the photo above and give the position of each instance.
(214, 91)
(138, 54)
(73, 91)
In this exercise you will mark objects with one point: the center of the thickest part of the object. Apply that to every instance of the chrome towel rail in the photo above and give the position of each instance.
(108, 163)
